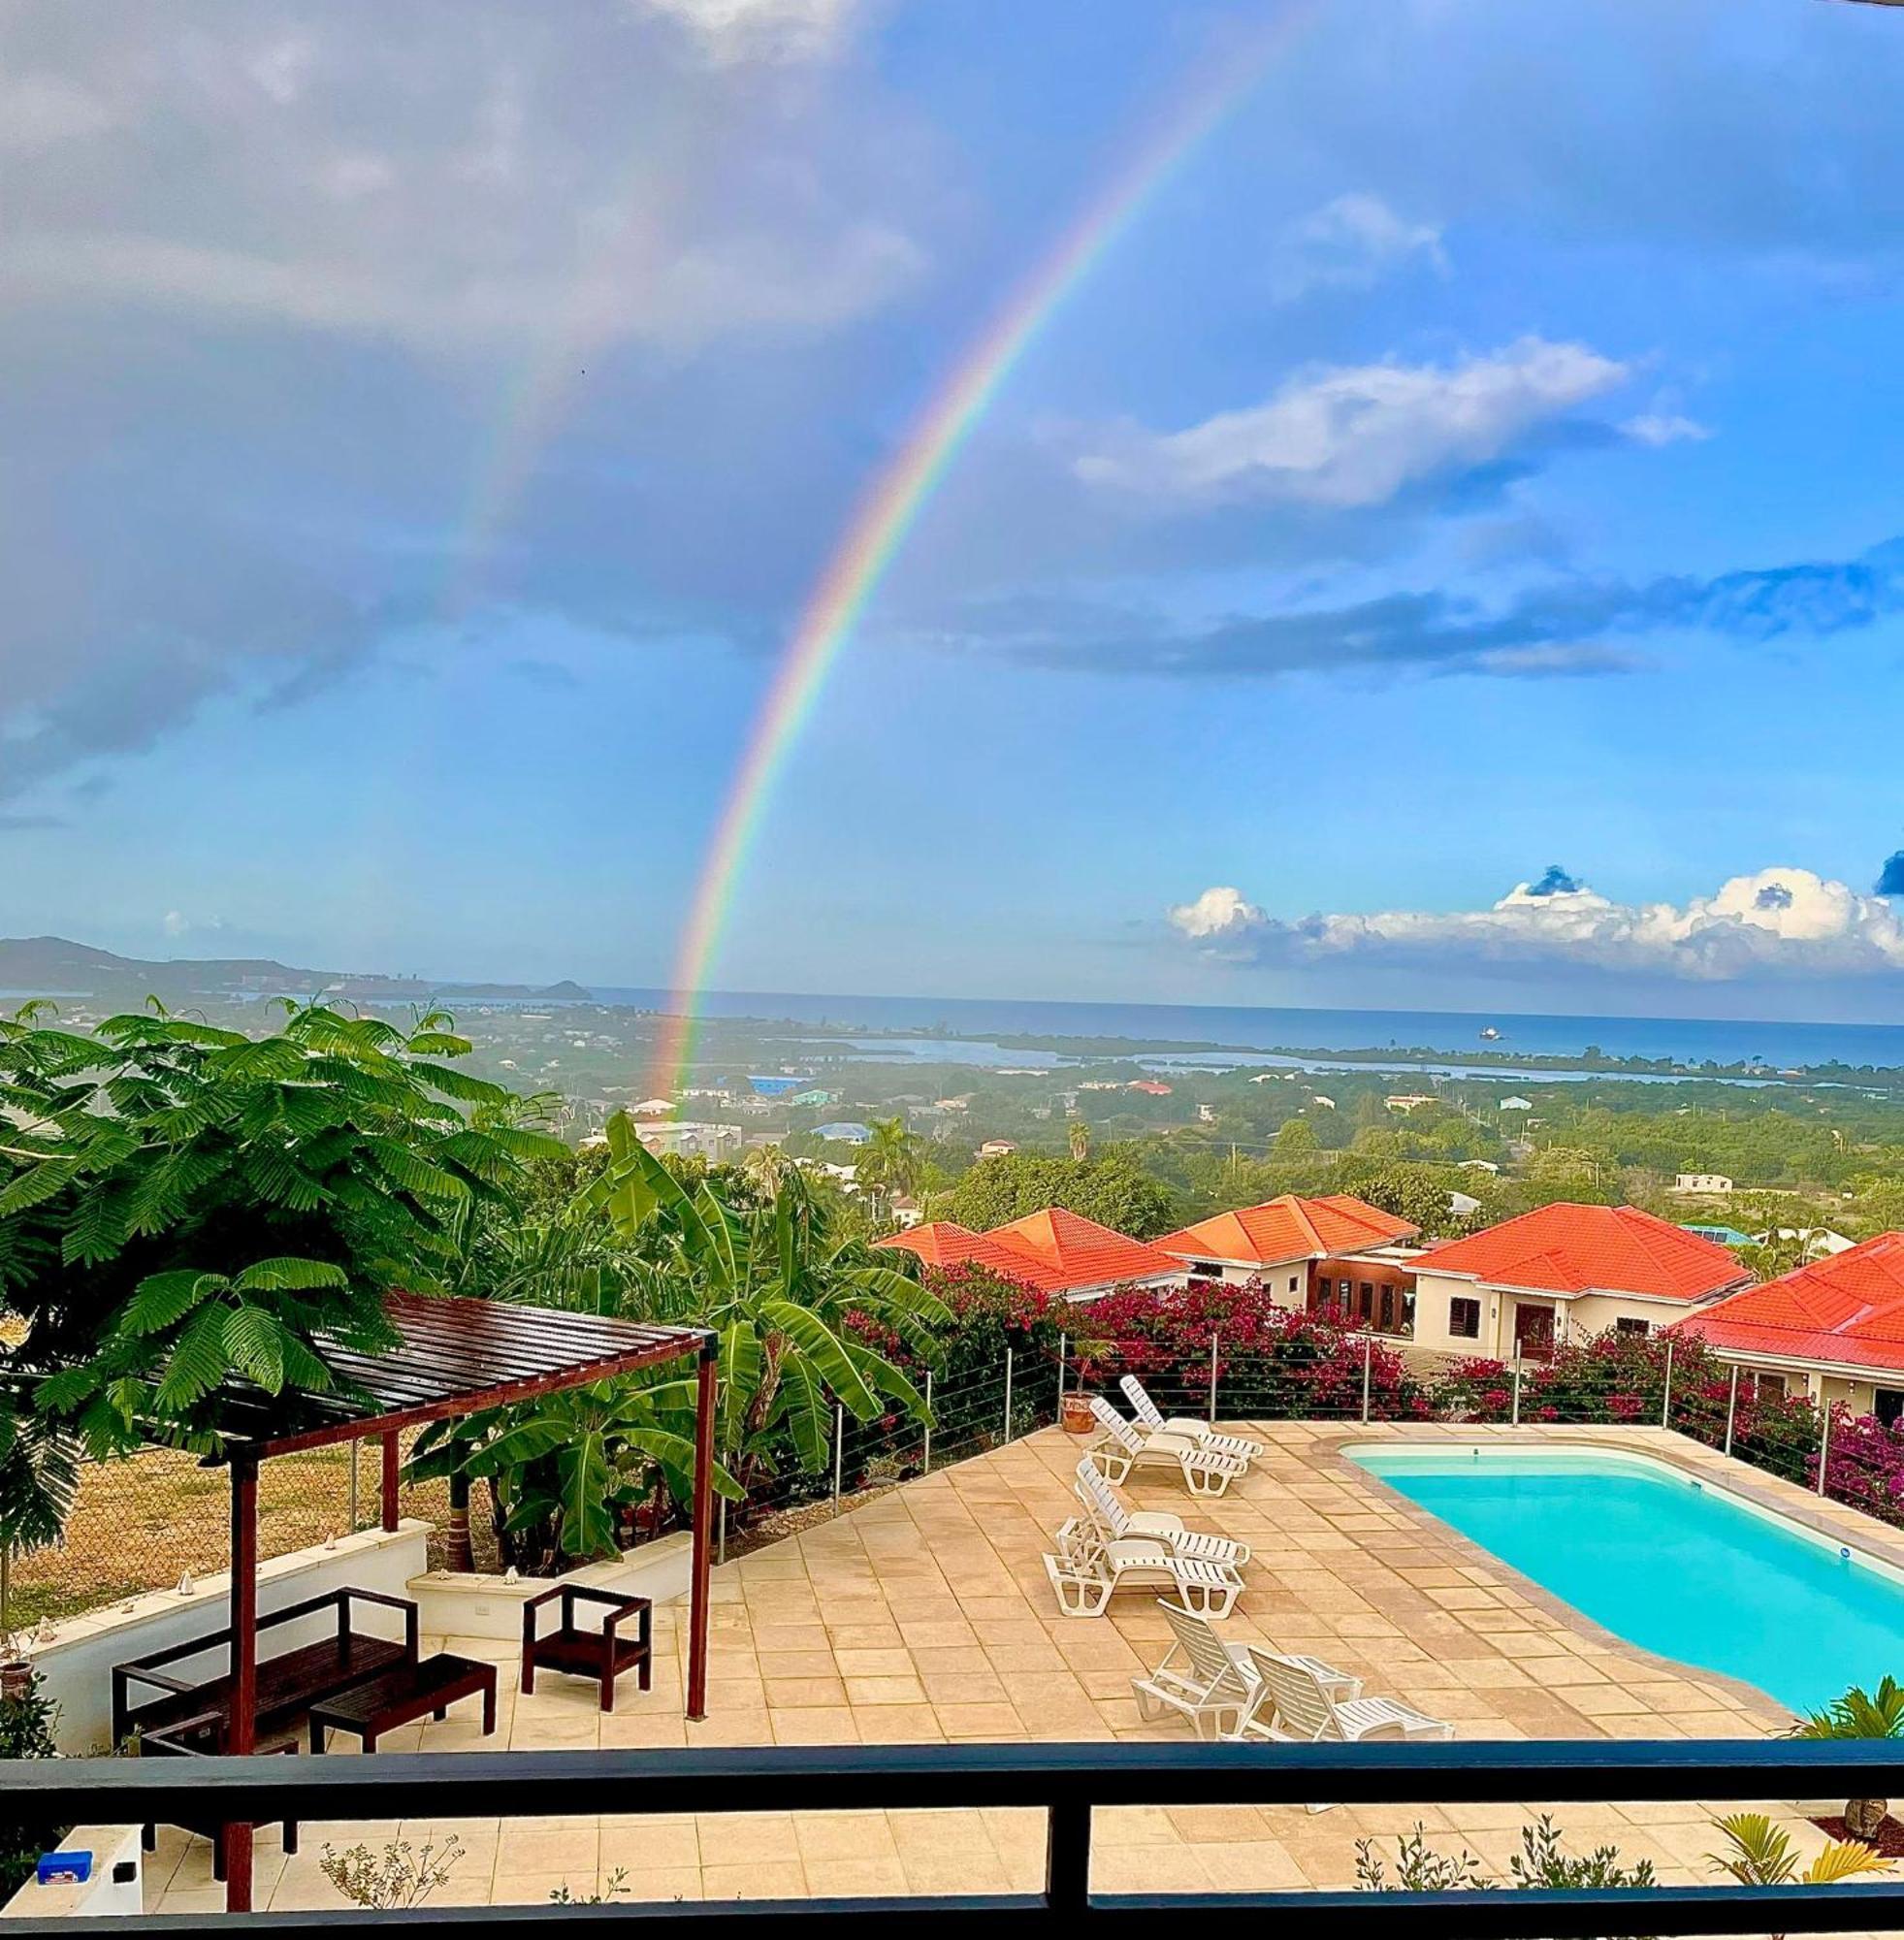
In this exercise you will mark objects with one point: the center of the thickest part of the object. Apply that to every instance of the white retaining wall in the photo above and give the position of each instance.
(491, 1607)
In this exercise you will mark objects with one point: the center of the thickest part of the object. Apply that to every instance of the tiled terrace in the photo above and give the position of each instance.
(923, 1616)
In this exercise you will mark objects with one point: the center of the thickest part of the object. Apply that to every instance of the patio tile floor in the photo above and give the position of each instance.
(923, 1616)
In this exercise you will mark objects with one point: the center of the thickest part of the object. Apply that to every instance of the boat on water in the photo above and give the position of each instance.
(1489, 1035)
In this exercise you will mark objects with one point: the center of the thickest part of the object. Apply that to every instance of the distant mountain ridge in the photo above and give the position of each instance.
(56, 964)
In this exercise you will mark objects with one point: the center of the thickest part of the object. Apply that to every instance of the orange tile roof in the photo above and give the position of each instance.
(1289, 1228)
(944, 1242)
(1568, 1250)
(1078, 1252)
(1848, 1309)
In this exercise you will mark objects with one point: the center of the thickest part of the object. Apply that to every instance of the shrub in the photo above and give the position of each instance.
(26, 1731)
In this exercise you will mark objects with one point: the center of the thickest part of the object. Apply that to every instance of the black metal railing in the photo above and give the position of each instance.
(1064, 1781)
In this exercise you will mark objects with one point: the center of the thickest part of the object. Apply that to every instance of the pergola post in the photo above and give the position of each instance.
(244, 1660)
(698, 1589)
(390, 1453)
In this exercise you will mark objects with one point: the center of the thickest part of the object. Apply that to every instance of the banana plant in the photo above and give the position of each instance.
(795, 1309)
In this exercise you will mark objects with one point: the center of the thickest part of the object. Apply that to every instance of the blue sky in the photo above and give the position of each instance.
(1479, 456)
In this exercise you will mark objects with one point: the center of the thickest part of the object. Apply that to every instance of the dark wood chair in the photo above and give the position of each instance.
(602, 1654)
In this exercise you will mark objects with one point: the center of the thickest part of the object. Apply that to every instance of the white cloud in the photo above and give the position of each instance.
(730, 32)
(1657, 428)
(1350, 436)
(1349, 243)
(1778, 921)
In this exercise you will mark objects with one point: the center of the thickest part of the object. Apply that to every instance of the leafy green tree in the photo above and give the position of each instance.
(892, 1160)
(1296, 1139)
(1416, 1194)
(1116, 1188)
(794, 1308)
(182, 1206)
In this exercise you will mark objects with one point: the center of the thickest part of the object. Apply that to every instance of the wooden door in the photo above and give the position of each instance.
(1534, 1332)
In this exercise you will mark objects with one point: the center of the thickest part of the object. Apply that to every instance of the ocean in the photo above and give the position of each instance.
(1260, 1028)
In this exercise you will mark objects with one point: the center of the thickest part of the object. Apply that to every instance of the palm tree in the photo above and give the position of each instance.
(1858, 1714)
(1080, 1136)
(781, 1291)
(1761, 1854)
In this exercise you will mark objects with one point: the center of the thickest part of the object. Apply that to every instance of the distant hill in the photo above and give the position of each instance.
(53, 964)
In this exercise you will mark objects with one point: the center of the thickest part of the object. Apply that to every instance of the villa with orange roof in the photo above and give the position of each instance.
(1335, 1253)
(1564, 1272)
(1832, 1329)
(1055, 1251)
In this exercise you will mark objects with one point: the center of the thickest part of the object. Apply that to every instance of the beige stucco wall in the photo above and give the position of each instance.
(1433, 1292)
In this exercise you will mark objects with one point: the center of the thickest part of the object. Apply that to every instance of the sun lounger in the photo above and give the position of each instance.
(1206, 1471)
(1152, 1420)
(1115, 1521)
(1084, 1570)
(1295, 1706)
(1207, 1679)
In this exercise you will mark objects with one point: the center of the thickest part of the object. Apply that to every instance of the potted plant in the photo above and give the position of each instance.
(1861, 1714)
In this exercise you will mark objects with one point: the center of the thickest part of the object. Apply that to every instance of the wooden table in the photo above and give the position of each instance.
(404, 1695)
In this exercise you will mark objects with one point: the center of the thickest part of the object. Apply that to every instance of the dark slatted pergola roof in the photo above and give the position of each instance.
(455, 1356)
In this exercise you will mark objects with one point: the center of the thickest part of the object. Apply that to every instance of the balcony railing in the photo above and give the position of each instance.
(1064, 1781)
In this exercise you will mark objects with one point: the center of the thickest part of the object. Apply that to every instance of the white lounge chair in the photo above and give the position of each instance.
(1205, 1471)
(1087, 1570)
(1295, 1706)
(1152, 1420)
(1206, 1679)
(1102, 1505)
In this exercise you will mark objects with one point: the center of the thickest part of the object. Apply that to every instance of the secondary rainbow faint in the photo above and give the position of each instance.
(886, 512)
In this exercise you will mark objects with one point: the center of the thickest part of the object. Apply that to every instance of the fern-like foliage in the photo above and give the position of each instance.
(185, 1210)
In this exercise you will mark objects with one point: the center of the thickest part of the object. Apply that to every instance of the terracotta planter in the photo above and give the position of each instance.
(16, 1679)
(1076, 1416)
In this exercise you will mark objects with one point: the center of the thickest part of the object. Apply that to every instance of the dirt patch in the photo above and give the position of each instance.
(1889, 1840)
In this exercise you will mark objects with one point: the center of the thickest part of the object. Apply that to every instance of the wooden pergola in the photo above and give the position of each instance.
(451, 1357)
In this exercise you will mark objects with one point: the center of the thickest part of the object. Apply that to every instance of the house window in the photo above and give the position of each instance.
(1292, 1282)
(1625, 1325)
(1770, 1387)
(1889, 1405)
(1465, 1319)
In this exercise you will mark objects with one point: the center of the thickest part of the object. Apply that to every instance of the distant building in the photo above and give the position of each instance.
(1720, 1236)
(713, 1142)
(819, 1099)
(650, 1107)
(907, 1212)
(997, 1148)
(1151, 1088)
(1335, 1253)
(1516, 1104)
(1053, 1250)
(772, 1086)
(1405, 1102)
(1462, 1205)
(1327, 1104)
(1486, 1165)
(1701, 1181)
(1817, 1242)
(844, 1131)
(1207, 1114)
(1563, 1271)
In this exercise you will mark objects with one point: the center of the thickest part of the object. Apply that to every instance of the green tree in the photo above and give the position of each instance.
(791, 1302)
(1416, 1194)
(1115, 1188)
(1295, 1140)
(182, 1206)
(892, 1160)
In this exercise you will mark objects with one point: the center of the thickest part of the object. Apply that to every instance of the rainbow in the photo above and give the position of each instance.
(888, 511)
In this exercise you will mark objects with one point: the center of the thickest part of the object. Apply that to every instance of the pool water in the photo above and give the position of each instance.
(1674, 1567)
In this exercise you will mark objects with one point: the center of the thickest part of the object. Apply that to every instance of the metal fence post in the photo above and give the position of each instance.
(1824, 1448)
(1516, 1418)
(1009, 1358)
(839, 1448)
(1213, 1377)
(356, 1449)
(1666, 1400)
(1732, 1407)
(1064, 1339)
(721, 1539)
(926, 1470)
(1368, 1371)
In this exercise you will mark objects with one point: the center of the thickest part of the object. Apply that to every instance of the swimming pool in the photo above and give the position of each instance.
(1674, 1566)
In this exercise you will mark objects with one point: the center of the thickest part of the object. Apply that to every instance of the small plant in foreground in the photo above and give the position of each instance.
(1763, 1855)
(618, 1883)
(1418, 1867)
(1540, 1866)
(1861, 1714)
(399, 1876)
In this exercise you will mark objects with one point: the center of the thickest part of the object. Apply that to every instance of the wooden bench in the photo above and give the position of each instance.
(198, 1711)
(600, 1654)
(203, 1736)
(401, 1696)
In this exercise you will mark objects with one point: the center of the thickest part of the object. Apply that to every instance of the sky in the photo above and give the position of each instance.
(1447, 547)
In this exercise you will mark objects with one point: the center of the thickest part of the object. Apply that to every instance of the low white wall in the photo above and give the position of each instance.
(474, 1606)
(77, 1659)
(101, 1896)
